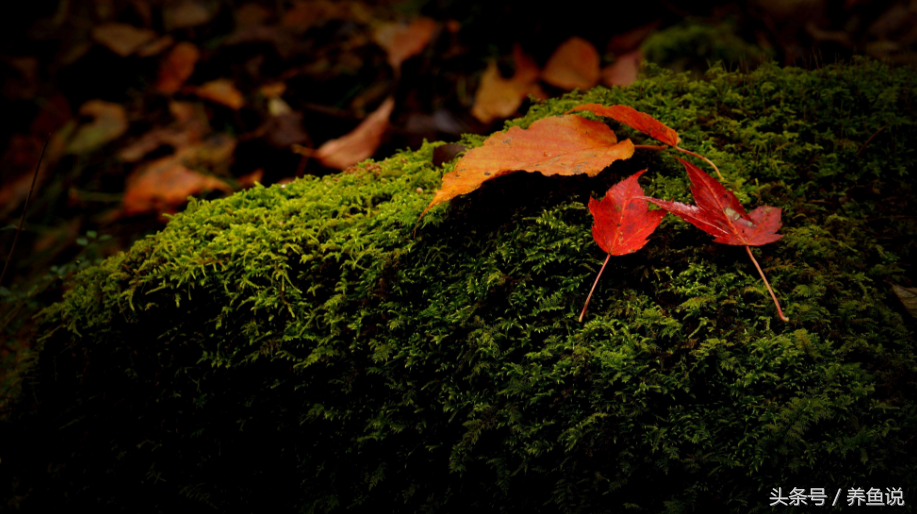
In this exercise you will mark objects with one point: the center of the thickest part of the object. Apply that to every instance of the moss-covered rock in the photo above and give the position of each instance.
(295, 348)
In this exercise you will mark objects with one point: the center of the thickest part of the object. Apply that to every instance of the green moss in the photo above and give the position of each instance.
(693, 45)
(296, 348)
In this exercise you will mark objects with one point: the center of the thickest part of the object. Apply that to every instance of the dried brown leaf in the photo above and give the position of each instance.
(402, 41)
(177, 67)
(359, 144)
(164, 185)
(498, 97)
(221, 91)
(574, 65)
(121, 38)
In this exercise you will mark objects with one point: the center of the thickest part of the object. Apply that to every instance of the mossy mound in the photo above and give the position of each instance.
(296, 349)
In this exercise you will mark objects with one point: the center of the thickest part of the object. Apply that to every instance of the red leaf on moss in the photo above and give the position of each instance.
(622, 222)
(719, 213)
(634, 119)
(622, 219)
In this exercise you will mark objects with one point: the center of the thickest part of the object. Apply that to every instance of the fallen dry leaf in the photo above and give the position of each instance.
(402, 41)
(908, 296)
(278, 107)
(185, 111)
(121, 38)
(109, 122)
(272, 89)
(359, 144)
(221, 91)
(560, 145)
(177, 67)
(183, 14)
(498, 97)
(623, 71)
(574, 65)
(156, 46)
(163, 185)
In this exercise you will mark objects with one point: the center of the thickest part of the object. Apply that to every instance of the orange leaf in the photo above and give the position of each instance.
(359, 144)
(635, 120)
(273, 89)
(402, 41)
(177, 67)
(574, 65)
(122, 39)
(221, 91)
(565, 145)
(165, 184)
(498, 97)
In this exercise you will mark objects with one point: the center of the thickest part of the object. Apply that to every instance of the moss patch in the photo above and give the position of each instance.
(295, 348)
(693, 45)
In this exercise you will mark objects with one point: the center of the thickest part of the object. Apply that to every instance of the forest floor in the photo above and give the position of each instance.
(138, 105)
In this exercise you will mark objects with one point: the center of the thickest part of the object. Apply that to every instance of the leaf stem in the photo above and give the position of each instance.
(650, 147)
(593, 287)
(689, 152)
(779, 310)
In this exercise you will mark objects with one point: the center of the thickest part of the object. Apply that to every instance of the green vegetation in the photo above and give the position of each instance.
(694, 45)
(294, 348)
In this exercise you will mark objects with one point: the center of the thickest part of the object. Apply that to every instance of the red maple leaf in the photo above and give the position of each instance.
(622, 222)
(719, 213)
(644, 123)
(634, 119)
